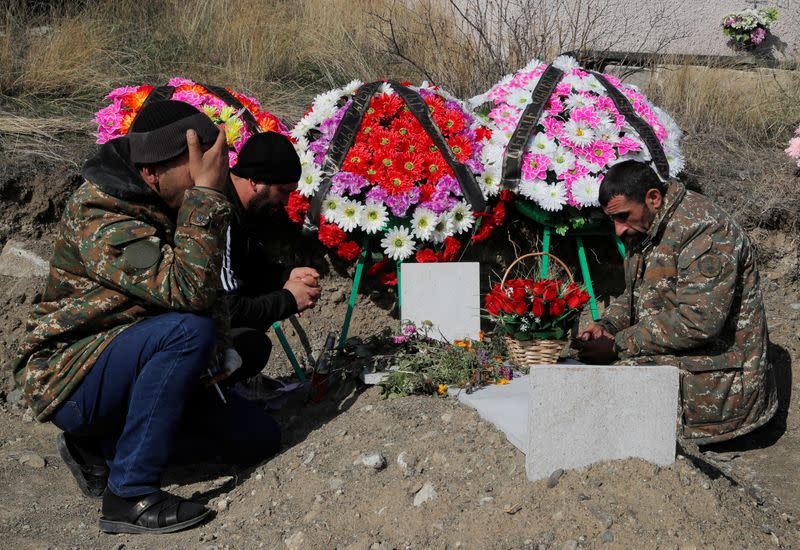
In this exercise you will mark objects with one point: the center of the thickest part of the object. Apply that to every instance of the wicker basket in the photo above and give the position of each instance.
(525, 353)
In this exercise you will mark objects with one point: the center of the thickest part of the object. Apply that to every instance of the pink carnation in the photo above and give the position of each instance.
(758, 35)
(188, 96)
(574, 173)
(108, 122)
(625, 145)
(553, 127)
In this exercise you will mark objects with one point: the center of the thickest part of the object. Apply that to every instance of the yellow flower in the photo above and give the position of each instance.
(442, 389)
(502, 382)
(210, 111)
(233, 130)
(226, 113)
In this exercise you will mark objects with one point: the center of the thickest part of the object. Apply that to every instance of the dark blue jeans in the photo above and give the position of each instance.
(143, 403)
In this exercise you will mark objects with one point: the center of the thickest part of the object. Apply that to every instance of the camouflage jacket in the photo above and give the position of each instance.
(693, 299)
(121, 255)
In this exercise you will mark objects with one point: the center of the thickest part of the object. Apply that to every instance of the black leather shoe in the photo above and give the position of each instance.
(157, 513)
(90, 477)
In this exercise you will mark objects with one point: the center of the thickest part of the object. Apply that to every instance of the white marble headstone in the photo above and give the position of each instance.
(579, 415)
(447, 294)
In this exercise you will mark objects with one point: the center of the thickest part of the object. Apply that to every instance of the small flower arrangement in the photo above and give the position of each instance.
(394, 183)
(794, 147)
(748, 28)
(527, 310)
(114, 120)
(579, 135)
(427, 366)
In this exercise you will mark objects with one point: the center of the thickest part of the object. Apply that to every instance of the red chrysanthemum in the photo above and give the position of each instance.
(395, 181)
(452, 247)
(461, 146)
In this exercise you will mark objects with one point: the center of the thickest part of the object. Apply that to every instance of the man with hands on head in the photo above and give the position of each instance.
(259, 290)
(116, 349)
(692, 299)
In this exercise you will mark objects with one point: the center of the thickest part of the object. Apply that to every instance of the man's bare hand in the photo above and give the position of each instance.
(594, 332)
(599, 351)
(210, 168)
(305, 295)
(306, 275)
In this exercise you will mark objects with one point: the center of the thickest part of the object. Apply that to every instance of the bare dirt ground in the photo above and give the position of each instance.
(463, 485)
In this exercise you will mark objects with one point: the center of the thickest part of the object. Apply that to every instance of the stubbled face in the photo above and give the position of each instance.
(632, 219)
(269, 197)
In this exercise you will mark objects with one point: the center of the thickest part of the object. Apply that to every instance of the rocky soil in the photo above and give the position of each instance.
(359, 472)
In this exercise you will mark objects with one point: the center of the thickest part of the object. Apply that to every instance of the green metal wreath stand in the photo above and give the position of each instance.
(590, 229)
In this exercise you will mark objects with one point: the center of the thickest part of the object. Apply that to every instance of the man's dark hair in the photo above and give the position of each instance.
(631, 179)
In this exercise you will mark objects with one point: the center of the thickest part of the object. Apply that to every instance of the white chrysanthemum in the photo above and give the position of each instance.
(576, 82)
(331, 208)
(443, 228)
(490, 181)
(302, 127)
(422, 223)
(386, 89)
(349, 215)
(585, 191)
(373, 216)
(310, 178)
(351, 87)
(543, 145)
(492, 154)
(576, 101)
(553, 197)
(566, 63)
(532, 64)
(578, 132)
(461, 214)
(532, 189)
(306, 158)
(301, 144)
(562, 160)
(593, 85)
(478, 100)
(676, 162)
(607, 132)
(398, 243)
(519, 98)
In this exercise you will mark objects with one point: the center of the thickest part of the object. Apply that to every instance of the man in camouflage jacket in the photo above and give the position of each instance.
(115, 350)
(692, 299)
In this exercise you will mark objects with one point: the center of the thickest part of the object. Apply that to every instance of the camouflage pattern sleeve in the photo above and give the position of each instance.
(126, 253)
(705, 289)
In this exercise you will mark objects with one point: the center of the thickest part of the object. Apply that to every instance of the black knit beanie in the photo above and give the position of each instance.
(158, 133)
(269, 158)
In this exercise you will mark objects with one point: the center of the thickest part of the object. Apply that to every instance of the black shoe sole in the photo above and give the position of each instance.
(75, 469)
(119, 527)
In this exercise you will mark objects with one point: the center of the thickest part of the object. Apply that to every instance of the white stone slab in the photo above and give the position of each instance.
(447, 294)
(579, 415)
(504, 406)
(16, 261)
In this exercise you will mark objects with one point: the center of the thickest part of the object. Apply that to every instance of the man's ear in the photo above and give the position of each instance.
(150, 176)
(653, 199)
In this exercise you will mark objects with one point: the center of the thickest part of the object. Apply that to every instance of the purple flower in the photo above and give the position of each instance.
(447, 184)
(400, 339)
(409, 329)
(475, 165)
(452, 105)
(398, 204)
(347, 181)
(377, 194)
(758, 35)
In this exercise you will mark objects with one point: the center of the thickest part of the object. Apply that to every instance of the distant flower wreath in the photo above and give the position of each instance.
(748, 28)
